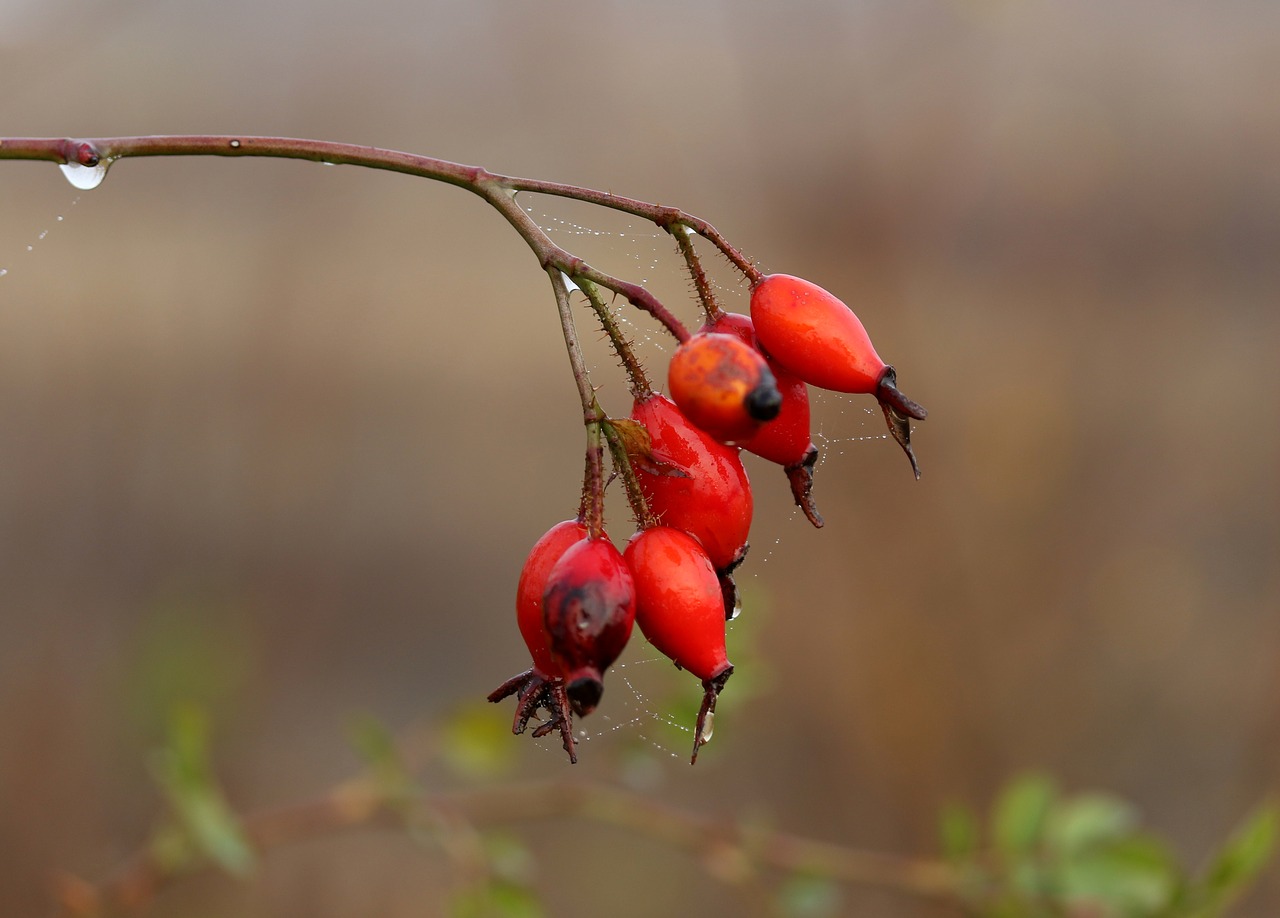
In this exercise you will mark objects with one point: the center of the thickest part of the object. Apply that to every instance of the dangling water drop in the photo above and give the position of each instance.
(86, 178)
(737, 608)
(708, 728)
(3, 271)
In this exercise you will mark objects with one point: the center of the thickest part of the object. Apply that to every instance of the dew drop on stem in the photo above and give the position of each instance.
(708, 728)
(86, 178)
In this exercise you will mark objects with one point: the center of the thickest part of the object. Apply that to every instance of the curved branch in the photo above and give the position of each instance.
(498, 190)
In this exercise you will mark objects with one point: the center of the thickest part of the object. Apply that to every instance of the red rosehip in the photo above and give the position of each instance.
(542, 685)
(704, 492)
(533, 583)
(816, 336)
(680, 610)
(589, 606)
(723, 386)
(678, 603)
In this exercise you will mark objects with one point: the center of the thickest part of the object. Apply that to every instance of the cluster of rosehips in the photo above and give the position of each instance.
(738, 383)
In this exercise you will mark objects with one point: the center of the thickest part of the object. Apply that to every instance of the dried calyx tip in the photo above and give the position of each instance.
(764, 401)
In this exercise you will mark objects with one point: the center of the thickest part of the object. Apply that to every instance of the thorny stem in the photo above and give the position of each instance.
(593, 483)
(640, 387)
(498, 190)
(360, 804)
(700, 282)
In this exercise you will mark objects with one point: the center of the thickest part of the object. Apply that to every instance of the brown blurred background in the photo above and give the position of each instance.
(276, 437)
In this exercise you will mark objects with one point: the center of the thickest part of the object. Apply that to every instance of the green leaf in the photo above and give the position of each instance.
(1019, 816)
(1245, 853)
(1132, 877)
(495, 900)
(183, 772)
(1087, 821)
(958, 831)
(809, 897)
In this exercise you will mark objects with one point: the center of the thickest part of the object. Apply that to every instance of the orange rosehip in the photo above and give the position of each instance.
(723, 386)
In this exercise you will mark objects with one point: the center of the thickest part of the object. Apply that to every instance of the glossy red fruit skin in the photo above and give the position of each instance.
(712, 500)
(589, 607)
(679, 607)
(814, 335)
(784, 440)
(533, 583)
(723, 385)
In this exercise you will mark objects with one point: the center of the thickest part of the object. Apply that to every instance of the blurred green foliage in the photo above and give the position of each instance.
(201, 825)
(1046, 853)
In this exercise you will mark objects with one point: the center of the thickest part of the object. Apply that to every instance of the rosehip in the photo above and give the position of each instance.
(723, 386)
(705, 492)
(680, 610)
(816, 336)
(533, 583)
(542, 685)
(589, 606)
(784, 440)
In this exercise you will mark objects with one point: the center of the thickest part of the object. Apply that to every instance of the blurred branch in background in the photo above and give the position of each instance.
(1041, 853)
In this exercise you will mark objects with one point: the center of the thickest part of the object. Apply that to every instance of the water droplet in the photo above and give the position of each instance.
(235, 144)
(737, 608)
(86, 178)
(59, 218)
(708, 728)
(325, 162)
(43, 234)
(3, 271)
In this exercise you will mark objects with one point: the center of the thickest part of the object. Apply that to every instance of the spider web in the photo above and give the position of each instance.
(33, 242)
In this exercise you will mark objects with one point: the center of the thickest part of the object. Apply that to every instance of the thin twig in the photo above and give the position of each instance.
(578, 363)
(359, 805)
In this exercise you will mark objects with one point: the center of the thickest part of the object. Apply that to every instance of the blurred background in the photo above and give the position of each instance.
(274, 438)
